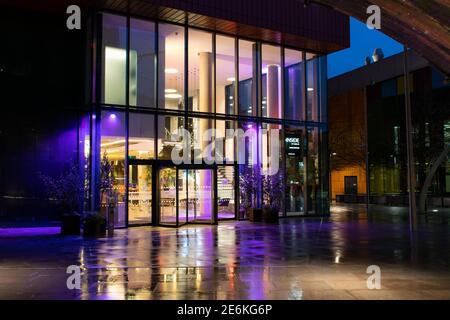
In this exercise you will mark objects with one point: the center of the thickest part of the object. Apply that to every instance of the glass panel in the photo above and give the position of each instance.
(247, 85)
(225, 74)
(142, 63)
(141, 141)
(200, 71)
(225, 192)
(112, 167)
(167, 140)
(140, 194)
(313, 170)
(323, 88)
(324, 194)
(183, 200)
(295, 171)
(271, 148)
(114, 40)
(200, 195)
(171, 67)
(247, 145)
(271, 82)
(84, 158)
(312, 78)
(167, 196)
(225, 141)
(202, 143)
(249, 171)
(294, 79)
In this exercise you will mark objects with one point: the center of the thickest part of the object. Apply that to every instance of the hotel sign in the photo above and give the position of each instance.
(293, 145)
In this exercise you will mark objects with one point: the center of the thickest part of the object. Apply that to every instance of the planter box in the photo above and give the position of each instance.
(254, 214)
(270, 215)
(70, 224)
(96, 230)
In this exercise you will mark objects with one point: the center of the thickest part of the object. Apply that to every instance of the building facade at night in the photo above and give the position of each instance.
(366, 108)
(115, 93)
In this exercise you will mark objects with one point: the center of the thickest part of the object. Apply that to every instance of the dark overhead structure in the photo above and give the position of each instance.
(420, 25)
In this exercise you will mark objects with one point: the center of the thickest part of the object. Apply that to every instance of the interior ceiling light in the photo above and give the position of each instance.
(173, 96)
(171, 70)
(310, 89)
(231, 79)
(170, 91)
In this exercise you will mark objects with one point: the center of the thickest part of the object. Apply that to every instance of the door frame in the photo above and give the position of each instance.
(213, 168)
(157, 165)
(153, 164)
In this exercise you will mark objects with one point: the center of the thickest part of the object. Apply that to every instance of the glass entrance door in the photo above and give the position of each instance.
(197, 195)
(140, 194)
(225, 192)
(186, 195)
(168, 208)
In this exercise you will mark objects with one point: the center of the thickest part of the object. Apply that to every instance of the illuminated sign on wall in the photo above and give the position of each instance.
(293, 145)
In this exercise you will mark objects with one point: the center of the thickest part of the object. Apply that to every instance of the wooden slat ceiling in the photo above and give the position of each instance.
(314, 28)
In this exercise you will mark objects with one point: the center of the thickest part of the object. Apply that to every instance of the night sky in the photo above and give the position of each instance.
(362, 43)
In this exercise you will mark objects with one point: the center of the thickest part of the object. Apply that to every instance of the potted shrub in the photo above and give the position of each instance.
(108, 194)
(248, 190)
(94, 225)
(67, 191)
(273, 193)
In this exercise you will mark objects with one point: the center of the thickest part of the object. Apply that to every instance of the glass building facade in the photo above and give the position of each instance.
(153, 78)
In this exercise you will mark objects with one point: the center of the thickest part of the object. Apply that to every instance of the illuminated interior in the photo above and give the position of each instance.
(167, 93)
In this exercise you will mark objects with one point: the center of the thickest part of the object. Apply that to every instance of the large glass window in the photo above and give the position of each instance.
(312, 80)
(112, 166)
(114, 41)
(202, 139)
(249, 167)
(142, 63)
(295, 150)
(272, 151)
(247, 78)
(271, 148)
(168, 138)
(313, 168)
(294, 82)
(225, 74)
(253, 70)
(225, 141)
(201, 67)
(171, 67)
(141, 141)
(271, 82)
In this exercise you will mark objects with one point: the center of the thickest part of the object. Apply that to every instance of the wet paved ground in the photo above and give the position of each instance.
(300, 258)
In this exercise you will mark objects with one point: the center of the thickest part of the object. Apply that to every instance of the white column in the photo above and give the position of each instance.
(205, 105)
(205, 81)
(273, 105)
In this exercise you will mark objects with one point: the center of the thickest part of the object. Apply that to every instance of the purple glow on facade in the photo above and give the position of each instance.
(29, 232)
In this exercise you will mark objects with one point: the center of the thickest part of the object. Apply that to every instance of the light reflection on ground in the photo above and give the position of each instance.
(301, 258)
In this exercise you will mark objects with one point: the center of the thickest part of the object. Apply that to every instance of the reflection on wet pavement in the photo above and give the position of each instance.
(300, 258)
